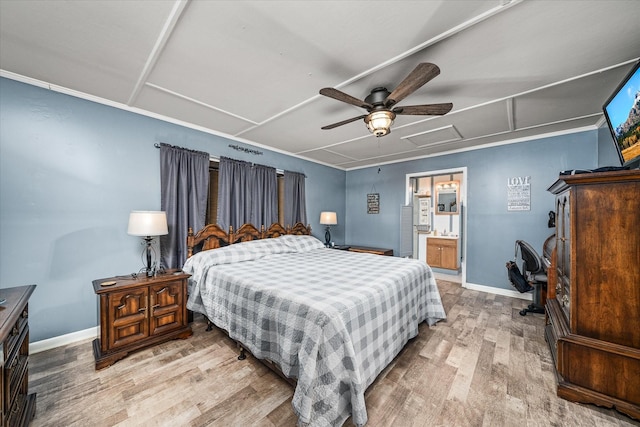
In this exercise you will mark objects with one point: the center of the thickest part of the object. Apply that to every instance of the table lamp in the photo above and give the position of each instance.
(148, 224)
(328, 219)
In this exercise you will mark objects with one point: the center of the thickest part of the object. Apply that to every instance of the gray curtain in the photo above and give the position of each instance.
(295, 209)
(184, 180)
(233, 193)
(264, 196)
(246, 194)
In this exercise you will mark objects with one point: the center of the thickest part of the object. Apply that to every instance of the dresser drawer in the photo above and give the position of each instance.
(17, 407)
(16, 332)
(15, 371)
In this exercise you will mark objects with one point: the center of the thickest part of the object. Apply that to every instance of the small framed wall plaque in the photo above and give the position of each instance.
(519, 193)
(373, 203)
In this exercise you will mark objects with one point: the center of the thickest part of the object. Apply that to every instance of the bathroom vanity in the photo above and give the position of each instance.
(439, 251)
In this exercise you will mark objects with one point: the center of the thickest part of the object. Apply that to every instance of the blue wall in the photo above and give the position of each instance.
(71, 171)
(491, 229)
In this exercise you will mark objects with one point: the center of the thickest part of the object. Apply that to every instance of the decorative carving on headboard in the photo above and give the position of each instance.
(245, 233)
(299, 229)
(210, 237)
(276, 230)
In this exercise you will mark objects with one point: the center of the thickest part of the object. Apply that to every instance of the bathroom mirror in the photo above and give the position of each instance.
(447, 198)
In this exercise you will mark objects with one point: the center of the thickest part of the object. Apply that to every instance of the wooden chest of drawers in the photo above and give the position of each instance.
(17, 405)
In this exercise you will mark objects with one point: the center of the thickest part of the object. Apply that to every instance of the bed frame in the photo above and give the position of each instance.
(212, 236)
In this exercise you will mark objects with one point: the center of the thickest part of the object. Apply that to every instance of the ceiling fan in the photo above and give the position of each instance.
(380, 102)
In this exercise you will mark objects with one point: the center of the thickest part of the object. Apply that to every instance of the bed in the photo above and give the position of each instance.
(330, 319)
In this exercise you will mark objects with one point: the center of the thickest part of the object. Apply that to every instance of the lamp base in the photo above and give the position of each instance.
(150, 270)
(327, 237)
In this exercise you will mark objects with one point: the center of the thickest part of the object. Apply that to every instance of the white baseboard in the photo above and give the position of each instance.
(38, 346)
(499, 291)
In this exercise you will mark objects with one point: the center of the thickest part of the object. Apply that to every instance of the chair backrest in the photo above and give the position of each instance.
(532, 262)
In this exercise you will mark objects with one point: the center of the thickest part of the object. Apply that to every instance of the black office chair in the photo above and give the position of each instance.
(534, 272)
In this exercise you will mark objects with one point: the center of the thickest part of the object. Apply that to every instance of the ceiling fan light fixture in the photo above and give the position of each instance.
(379, 122)
(381, 104)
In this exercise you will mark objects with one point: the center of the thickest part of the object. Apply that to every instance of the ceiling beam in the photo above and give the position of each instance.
(178, 8)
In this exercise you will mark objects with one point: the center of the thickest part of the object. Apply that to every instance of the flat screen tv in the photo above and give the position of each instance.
(622, 111)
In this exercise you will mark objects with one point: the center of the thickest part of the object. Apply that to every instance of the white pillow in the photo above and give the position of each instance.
(238, 252)
(302, 243)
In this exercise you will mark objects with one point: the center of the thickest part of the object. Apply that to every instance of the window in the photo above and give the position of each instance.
(212, 202)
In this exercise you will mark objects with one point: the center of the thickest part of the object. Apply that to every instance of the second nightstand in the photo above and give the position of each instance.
(136, 313)
(365, 249)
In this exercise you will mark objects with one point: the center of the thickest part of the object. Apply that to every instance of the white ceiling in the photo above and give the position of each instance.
(252, 70)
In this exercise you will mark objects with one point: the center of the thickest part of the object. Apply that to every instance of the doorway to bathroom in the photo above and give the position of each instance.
(438, 200)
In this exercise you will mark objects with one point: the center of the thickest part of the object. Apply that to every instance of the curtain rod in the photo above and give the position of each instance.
(235, 147)
(211, 157)
(217, 159)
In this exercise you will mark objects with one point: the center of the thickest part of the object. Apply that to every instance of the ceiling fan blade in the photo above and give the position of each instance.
(341, 96)
(424, 110)
(344, 122)
(418, 77)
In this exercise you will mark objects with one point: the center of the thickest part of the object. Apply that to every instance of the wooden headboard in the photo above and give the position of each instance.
(212, 236)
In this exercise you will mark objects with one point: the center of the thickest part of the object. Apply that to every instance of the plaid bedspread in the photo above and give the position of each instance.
(332, 319)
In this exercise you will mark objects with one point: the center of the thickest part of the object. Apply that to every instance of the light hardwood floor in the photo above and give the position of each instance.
(484, 366)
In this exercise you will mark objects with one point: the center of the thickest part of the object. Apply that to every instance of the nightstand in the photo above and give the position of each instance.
(138, 312)
(365, 249)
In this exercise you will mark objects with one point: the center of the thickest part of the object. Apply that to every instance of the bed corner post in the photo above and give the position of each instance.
(263, 233)
(190, 242)
(231, 238)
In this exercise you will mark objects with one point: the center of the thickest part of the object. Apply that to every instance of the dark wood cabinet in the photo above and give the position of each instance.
(17, 405)
(136, 313)
(593, 320)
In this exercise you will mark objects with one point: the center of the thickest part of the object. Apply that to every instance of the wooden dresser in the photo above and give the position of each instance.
(593, 320)
(17, 406)
(136, 313)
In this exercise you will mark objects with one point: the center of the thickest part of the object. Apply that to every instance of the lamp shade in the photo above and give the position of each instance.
(147, 223)
(328, 218)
